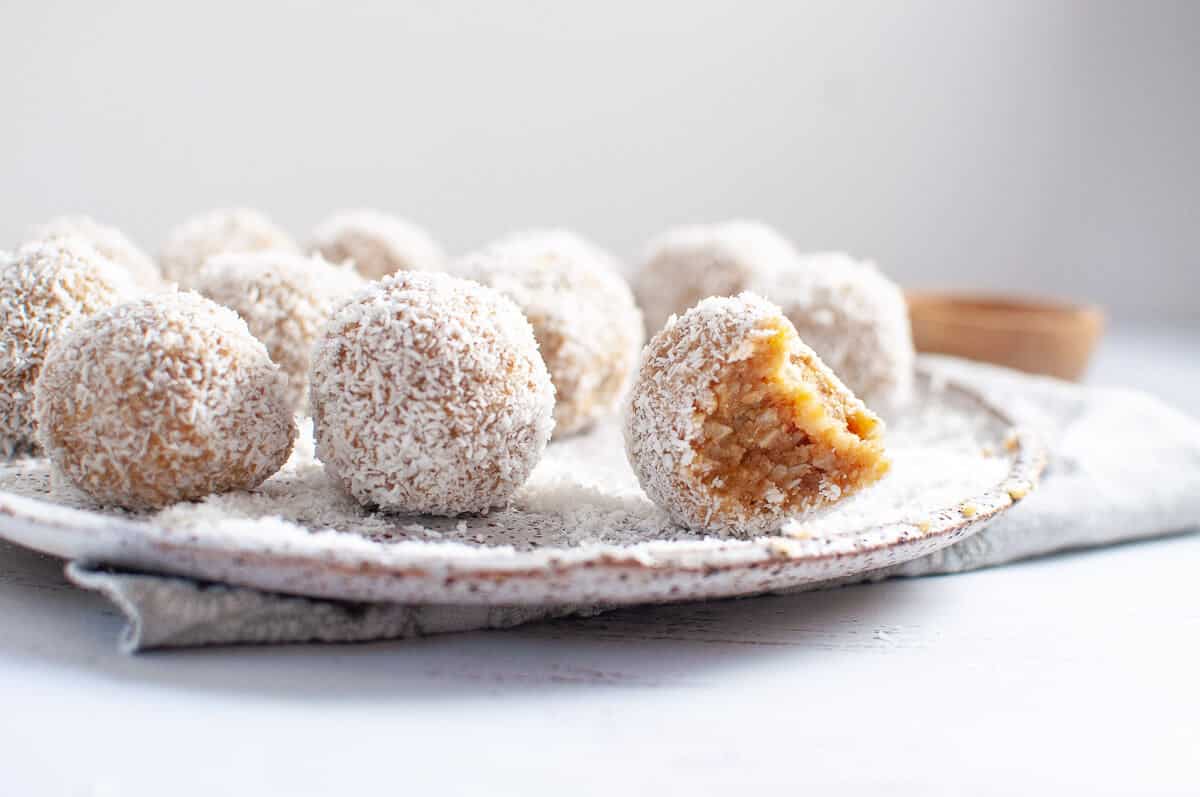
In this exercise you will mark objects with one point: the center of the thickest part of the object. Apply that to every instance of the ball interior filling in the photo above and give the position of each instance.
(780, 432)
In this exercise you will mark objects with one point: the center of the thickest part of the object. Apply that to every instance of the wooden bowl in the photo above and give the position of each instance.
(1037, 336)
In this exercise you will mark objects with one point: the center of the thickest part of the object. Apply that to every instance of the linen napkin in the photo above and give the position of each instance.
(1123, 466)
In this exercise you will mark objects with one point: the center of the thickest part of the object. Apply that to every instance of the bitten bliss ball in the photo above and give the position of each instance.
(428, 396)
(735, 425)
(690, 263)
(284, 299)
(588, 327)
(856, 320)
(109, 242)
(378, 243)
(216, 232)
(164, 399)
(46, 287)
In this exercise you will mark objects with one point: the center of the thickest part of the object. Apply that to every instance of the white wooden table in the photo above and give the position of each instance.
(1073, 674)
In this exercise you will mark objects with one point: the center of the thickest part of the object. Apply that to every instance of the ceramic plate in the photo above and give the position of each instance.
(580, 532)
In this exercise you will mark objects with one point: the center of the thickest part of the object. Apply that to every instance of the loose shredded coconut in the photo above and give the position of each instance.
(588, 327)
(163, 399)
(216, 232)
(284, 299)
(109, 242)
(855, 318)
(690, 263)
(376, 243)
(45, 289)
(428, 395)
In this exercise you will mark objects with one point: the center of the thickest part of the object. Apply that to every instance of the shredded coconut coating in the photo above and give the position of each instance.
(376, 243)
(428, 395)
(168, 398)
(108, 241)
(856, 319)
(734, 425)
(217, 232)
(690, 263)
(45, 289)
(588, 327)
(284, 299)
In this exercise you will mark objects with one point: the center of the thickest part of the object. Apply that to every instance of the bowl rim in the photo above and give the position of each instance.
(998, 310)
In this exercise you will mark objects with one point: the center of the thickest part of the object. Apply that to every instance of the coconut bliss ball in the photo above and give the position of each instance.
(587, 324)
(856, 319)
(165, 399)
(686, 264)
(109, 242)
(190, 244)
(557, 240)
(377, 243)
(284, 299)
(428, 396)
(46, 287)
(735, 425)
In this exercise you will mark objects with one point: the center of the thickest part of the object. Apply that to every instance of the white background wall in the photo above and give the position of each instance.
(1034, 146)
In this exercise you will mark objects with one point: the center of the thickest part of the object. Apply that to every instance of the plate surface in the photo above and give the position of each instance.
(580, 532)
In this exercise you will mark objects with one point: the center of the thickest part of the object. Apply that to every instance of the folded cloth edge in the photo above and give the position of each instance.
(170, 611)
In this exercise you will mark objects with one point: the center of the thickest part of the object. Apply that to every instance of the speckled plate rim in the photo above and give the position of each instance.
(343, 566)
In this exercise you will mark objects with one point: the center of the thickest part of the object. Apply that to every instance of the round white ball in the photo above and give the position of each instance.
(108, 241)
(686, 264)
(376, 243)
(165, 399)
(587, 324)
(856, 320)
(808, 445)
(284, 299)
(190, 244)
(428, 395)
(46, 287)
